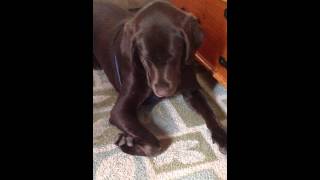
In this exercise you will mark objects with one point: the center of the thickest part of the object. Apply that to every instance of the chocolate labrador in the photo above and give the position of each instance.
(146, 55)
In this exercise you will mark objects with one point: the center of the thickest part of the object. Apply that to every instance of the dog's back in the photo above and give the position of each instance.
(107, 20)
(106, 16)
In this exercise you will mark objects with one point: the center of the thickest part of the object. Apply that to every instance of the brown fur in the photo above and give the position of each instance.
(154, 49)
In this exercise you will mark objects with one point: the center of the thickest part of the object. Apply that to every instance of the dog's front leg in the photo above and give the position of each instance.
(135, 139)
(198, 102)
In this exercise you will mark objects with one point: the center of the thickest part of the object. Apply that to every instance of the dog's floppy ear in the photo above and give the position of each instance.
(127, 40)
(193, 36)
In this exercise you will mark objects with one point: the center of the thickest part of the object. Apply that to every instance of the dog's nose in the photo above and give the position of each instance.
(162, 85)
(163, 89)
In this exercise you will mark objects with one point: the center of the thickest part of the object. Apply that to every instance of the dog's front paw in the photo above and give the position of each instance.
(137, 147)
(220, 136)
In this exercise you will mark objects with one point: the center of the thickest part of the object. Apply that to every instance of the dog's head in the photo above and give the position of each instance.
(164, 39)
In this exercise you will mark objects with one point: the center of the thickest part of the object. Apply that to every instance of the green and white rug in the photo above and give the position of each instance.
(191, 155)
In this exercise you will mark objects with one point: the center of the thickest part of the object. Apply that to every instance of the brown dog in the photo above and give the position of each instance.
(145, 55)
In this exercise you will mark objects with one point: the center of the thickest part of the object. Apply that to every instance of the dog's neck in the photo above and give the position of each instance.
(118, 29)
(115, 44)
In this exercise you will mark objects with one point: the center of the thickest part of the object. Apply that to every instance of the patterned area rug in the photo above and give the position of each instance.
(191, 154)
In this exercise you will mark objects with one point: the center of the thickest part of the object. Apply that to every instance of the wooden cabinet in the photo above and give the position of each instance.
(211, 14)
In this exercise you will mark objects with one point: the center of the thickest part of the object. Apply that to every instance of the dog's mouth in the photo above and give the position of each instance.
(162, 88)
(162, 95)
(162, 92)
